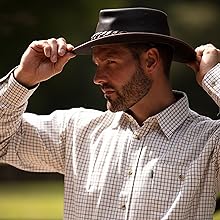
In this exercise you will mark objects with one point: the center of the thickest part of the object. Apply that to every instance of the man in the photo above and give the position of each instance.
(149, 156)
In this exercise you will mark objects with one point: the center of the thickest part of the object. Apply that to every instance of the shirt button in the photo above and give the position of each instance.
(123, 206)
(130, 172)
(213, 83)
(136, 137)
(181, 177)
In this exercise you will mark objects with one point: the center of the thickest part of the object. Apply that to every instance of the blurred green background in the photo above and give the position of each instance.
(25, 195)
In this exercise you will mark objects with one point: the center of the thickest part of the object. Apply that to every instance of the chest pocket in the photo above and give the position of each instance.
(167, 180)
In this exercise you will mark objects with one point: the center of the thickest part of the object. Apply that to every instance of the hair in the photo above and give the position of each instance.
(165, 52)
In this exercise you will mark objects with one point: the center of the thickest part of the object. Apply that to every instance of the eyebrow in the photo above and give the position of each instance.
(111, 53)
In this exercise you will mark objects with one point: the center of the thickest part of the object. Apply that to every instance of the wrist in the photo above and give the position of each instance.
(22, 78)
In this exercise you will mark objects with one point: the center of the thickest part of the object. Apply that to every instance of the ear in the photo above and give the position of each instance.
(150, 60)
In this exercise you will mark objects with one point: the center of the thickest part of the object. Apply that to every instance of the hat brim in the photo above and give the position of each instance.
(183, 52)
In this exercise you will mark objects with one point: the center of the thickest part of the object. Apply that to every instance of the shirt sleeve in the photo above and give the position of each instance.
(29, 141)
(211, 83)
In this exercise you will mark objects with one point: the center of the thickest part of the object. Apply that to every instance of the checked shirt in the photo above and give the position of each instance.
(113, 168)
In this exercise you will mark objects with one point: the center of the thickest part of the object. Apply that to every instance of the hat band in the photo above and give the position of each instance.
(105, 34)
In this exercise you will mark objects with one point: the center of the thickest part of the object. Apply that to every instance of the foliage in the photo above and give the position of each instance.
(24, 21)
(31, 200)
(34, 200)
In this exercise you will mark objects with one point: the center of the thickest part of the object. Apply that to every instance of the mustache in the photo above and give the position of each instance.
(106, 86)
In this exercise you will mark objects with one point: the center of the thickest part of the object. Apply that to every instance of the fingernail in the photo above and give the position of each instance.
(62, 52)
(47, 53)
(54, 59)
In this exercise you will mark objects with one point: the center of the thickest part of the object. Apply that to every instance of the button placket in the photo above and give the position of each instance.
(123, 200)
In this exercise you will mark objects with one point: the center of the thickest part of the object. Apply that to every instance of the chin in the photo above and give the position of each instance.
(112, 108)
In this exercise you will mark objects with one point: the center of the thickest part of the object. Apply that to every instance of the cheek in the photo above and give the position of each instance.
(123, 73)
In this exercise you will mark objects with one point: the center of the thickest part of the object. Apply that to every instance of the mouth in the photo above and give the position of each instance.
(107, 92)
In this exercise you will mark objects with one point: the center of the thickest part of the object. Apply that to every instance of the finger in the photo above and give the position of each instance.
(47, 49)
(53, 49)
(208, 47)
(41, 46)
(70, 47)
(62, 47)
(199, 50)
(62, 61)
(208, 50)
(199, 53)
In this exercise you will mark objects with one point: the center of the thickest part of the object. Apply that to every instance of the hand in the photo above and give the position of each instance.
(42, 60)
(207, 57)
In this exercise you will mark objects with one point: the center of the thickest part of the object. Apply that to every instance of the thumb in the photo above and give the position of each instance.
(62, 61)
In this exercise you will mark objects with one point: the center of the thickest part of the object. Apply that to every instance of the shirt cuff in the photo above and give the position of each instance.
(211, 83)
(12, 92)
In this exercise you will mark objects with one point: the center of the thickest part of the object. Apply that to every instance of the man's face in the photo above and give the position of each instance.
(120, 76)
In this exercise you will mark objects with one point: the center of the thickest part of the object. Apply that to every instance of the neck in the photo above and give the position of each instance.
(157, 99)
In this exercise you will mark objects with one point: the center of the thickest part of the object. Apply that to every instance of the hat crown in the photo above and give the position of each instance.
(133, 20)
(136, 25)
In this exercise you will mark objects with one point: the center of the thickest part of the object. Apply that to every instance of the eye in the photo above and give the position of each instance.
(110, 61)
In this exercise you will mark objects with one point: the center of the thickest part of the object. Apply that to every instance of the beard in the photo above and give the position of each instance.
(130, 93)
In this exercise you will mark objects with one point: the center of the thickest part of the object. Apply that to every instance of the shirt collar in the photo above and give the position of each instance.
(174, 115)
(169, 119)
(117, 119)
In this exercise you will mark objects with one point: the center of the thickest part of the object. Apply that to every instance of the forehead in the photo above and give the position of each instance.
(110, 50)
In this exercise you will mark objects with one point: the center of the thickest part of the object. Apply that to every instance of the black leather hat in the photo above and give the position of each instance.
(136, 25)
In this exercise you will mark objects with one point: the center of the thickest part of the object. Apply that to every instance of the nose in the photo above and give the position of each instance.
(100, 77)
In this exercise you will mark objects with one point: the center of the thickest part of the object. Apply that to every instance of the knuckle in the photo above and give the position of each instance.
(33, 43)
(62, 39)
(46, 47)
(52, 40)
(210, 45)
(212, 50)
(36, 42)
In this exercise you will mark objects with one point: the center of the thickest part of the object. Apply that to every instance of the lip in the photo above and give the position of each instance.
(107, 91)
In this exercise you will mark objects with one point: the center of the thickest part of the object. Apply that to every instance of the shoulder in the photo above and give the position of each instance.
(84, 117)
(202, 124)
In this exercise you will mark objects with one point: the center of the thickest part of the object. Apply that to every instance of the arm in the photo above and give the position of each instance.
(29, 141)
(207, 69)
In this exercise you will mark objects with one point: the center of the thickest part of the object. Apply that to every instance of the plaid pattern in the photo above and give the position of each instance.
(113, 168)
